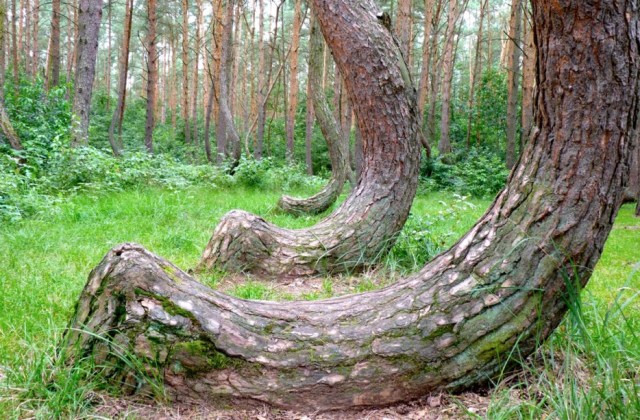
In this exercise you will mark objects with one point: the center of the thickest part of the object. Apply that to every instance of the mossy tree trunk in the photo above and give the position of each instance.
(336, 143)
(499, 291)
(365, 226)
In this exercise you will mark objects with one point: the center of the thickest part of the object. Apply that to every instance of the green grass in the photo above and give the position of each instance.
(44, 263)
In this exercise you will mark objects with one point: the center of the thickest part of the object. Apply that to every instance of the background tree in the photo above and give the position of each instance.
(89, 18)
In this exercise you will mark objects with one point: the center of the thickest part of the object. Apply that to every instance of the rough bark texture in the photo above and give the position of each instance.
(402, 29)
(513, 81)
(360, 231)
(89, 18)
(528, 79)
(499, 291)
(53, 59)
(152, 74)
(336, 143)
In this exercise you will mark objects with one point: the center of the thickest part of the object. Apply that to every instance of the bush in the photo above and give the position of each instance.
(479, 173)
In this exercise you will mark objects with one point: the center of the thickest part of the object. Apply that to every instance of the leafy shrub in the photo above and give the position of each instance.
(477, 172)
(423, 236)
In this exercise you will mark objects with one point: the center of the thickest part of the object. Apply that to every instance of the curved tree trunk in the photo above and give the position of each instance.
(364, 227)
(453, 325)
(336, 142)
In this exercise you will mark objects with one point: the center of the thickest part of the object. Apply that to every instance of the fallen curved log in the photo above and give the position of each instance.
(336, 141)
(498, 292)
(366, 225)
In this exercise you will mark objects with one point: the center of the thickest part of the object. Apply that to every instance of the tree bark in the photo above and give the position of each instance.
(196, 71)
(310, 120)
(227, 138)
(499, 292)
(53, 60)
(293, 83)
(89, 18)
(3, 49)
(14, 38)
(427, 54)
(152, 74)
(7, 129)
(528, 79)
(185, 70)
(367, 223)
(35, 61)
(118, 114)
(402, 29)
(513, 78)
(454, 12)
(337, 143)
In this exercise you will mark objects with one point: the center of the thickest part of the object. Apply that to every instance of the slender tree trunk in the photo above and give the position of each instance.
(174, 80)
(196, 71)
(3, 49)
(402, 29)
(35, 32)
(7, 129)
(207, 121)
(26, 45)
(108, 72)
(513, 78)
(364, 227)
(89, 18)
(14, 39)
(427, 53)
(262, 85)
(310, 120)
(499, 292)
(118, 114)
(227, 138)
(293, 83)
(528, 81)
(476, 71)
(454, 13)
(337, 142)
(53, 60)
(185, 70)
(152, 74)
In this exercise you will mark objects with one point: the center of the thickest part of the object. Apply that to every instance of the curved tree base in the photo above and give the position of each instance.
(366, 225)
(315, 204)
(244, 242)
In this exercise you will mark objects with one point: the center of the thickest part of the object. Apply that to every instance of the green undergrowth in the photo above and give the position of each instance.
(45, 259)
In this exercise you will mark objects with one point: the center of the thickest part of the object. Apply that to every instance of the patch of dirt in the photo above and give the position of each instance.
(303, 287)
(432, 407)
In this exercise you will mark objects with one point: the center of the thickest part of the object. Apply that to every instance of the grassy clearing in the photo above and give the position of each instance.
(588, 369)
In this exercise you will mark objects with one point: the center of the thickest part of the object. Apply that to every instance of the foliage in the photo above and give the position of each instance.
(477, 172)
(427, 234)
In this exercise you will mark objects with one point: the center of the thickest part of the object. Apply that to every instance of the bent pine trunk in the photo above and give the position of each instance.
(336, 143)
(365, 226)
(499, 291)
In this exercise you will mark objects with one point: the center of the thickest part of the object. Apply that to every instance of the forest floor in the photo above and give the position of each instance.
(588, 368)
